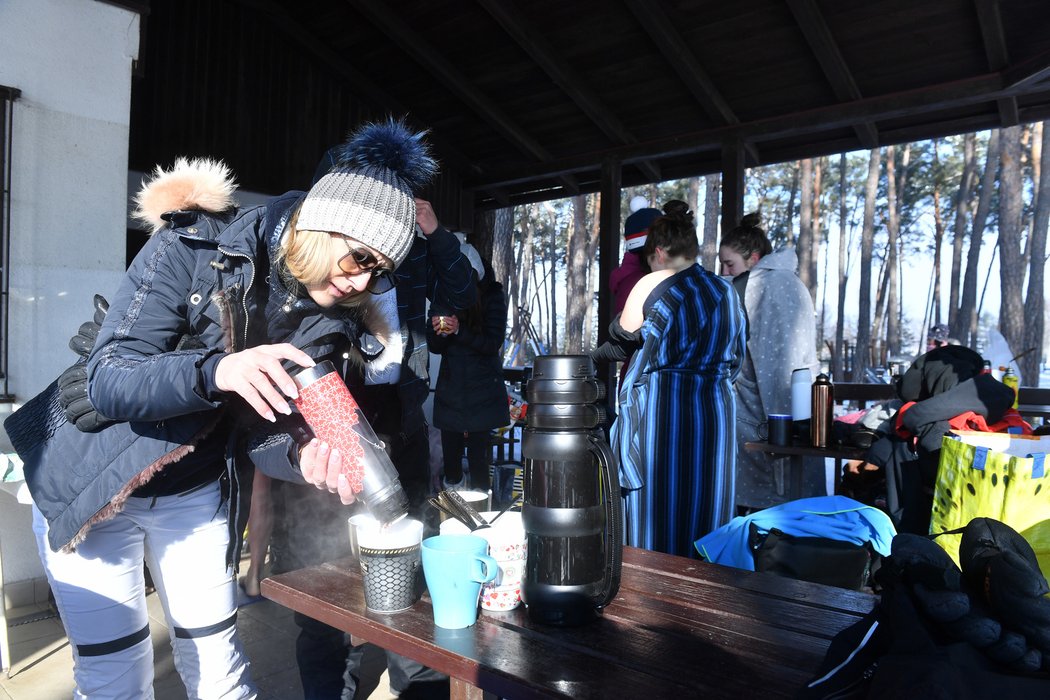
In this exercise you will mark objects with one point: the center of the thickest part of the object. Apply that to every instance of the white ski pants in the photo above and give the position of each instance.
(100, 593)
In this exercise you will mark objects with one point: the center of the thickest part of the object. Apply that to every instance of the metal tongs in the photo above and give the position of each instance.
(452, 504)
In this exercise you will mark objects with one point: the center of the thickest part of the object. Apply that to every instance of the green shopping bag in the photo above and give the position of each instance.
(994, 475)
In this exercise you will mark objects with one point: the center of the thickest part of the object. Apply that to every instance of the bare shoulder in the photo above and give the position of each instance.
(632, 316)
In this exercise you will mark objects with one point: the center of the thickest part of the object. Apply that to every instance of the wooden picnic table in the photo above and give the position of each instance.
(679, 628)
(797, 452)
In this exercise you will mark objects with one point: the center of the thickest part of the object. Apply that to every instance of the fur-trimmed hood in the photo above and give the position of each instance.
(190, 184)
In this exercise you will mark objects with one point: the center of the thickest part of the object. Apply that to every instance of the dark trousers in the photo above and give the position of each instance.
(328, 666)
(479, 456)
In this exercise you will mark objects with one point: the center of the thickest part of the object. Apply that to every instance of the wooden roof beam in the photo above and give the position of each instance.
(684, 62)
(530, 39)
(991, 23)
(931, 98)
(1028, 73)
(826, 50)
(331, 58)
(432, 60)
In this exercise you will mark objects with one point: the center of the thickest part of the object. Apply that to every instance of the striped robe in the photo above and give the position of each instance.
(675, 436)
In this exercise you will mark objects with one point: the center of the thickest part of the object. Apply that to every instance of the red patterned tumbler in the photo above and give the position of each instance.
(334, 416)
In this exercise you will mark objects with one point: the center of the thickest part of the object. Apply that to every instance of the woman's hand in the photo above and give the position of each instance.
(426, 219)
(445, 325)
(256, 375)
(323, 467)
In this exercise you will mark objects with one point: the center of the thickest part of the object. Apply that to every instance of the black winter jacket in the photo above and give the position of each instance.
(471, 395)
(436, 265)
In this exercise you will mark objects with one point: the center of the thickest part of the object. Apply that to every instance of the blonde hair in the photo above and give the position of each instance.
(306, 257)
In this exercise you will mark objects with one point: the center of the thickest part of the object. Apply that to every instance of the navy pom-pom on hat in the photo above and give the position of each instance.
(368, 194)
(636, 227)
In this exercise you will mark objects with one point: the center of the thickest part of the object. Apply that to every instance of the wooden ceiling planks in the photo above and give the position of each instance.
(524, 97)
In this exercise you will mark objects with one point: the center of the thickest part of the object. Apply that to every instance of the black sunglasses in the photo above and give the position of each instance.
(359, 260)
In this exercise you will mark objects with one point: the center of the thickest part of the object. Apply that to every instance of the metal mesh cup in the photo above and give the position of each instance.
(391, 565)
(393, 578)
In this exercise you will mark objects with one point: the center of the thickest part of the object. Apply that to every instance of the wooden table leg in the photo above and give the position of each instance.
(461, 690)
(796, 477)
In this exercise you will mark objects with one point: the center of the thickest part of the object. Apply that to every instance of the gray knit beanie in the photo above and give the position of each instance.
(367, 193)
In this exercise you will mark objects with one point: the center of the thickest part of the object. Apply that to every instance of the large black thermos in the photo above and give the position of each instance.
(572, 510)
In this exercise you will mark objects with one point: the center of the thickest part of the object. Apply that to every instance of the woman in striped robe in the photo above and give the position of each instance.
(676, 432)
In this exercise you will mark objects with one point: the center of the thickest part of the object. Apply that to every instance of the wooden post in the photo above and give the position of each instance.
(732, 183)
(609, 240)
(608, 258)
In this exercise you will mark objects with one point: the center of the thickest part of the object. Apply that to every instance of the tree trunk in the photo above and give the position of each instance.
(551, 279)
(962, 206)
(1029, 150)
(1035, 160)
(592, 272)
(968, 305)
(879, 357)
(839, 355)
(817, 239)
(805, 225)
(867, 239)
(526, 254)
(1011, 267)
(902, 203)
(577, 286)
(1034, 303)
(501, 222)
(893, 332)
(938, 237)
(711, 183)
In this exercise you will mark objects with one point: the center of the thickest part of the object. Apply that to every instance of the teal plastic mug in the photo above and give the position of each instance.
(455, 567)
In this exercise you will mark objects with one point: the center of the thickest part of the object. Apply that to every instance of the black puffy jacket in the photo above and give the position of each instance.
(471, 395)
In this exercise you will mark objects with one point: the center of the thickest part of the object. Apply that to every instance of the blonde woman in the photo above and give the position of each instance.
(184, 366)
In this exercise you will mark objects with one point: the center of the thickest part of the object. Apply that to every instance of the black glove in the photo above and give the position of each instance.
(72, 384)
(85, 338)
(72, 396)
